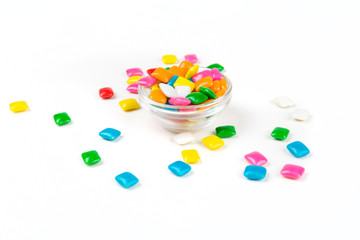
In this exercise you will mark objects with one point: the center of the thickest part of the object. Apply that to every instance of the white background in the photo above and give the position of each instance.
(57, 54)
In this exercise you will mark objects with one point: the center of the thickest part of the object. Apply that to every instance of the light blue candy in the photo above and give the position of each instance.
(126, 179)
(179, 168)
(254, 172)
(298, 149)
(173, 80)
(190, 79)
(109, 134)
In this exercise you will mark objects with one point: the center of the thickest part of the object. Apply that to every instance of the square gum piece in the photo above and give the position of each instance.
(292, 171)
(256, 158)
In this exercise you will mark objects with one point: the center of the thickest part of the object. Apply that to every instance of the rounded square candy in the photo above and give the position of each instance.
(106, 92)
(298, 149)
(225, 131)
(179, 168)
(256, 158)
(292, 171)
(184, 138)
(169, 59)
(91, 157)
(283, 102)
(126, 179)
(191, 58)
(213, 142)
(134, 72)
(62, 118)
(253, 172)
(110, 134)
(280, 133)
(129, 104)
(18, 106)
(216, 65)
(190, 156)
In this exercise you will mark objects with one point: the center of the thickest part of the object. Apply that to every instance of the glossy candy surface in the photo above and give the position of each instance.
(215, 74)
(158, 96)
(183, 91)
(298, 149)
(223, 84)
(184, 82)
(179, 168)
(91, 157)
(126, 179)
(216, 86)
(292, 171)
(216, 65)
(179, 101)
(192, 71)
(129, 104)
(253, 172)
(184, 138)
(256, 158)
(175, 70)
(109, 134)
(134, 72)
(191, 58)
(204, 82)
(133, 88)
(280, 133)
(18, 106)
(213, 142)
(185, 65)
(225, 131)
(197, 97)
(62, 118)
(150, 71)
(173, 80)
(284, 102)
(301, 115)
(169, 59)
(147, 81)
(190, 156)
(106, 92)
(220, 93)
(162, 75)
(202, 74)
(168, 90)
(133, 79)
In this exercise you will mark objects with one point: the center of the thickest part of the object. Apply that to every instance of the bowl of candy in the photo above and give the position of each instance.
(185, 97)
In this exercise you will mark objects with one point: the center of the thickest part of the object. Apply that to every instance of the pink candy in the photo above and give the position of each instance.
(147, 81)
(256, 158)
(134, 72)
(191, 58)
(187, 110)
(292, 171)
(200, 75)
(133, 88)
(215, 74)
(179, 101)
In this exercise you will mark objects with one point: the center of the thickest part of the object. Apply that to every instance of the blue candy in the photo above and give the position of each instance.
(173, 80)
(109, 134)
(298, 149)
(254, 172)
(179, 168)
(170, 109)
(126, 179)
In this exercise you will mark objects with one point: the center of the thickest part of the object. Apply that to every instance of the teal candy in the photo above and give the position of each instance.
(253, 172)
(126, 179)
(110, 134)
(179, 168)
(298, 149)
(173, 80)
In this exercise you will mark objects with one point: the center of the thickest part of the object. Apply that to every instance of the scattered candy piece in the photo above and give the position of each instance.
(190, 156)
(215, 74)
(158, 96)
(283, 102)
(184, 82)
(191, 58)
(280, 133)
(183, 138)
(162, 75)
(213, 142)
(301, 115)
(129, 104)
(202, 74)
(220, 93)
(147, 81)
(225, 131)
(179, 101)
(150, 71)
(169, 59)
(134, 72)
(106, 92)
(197, 97)
(91, 157)
(133, 88)
(208, 92)
(109, 134)
(183, 91)
(216, 65)
(154, 87)
(126, 179)
(179, 168)
(204, 82)
(254, 172)
(223, 84)
(216, 86)
(168, 90)
(292, 171)
(62, 118)
(298, 149)
(256, 158)
(177, 71)
(173, 80)
(18, 106)
(192, 71)
(133, 79)
(185, 65)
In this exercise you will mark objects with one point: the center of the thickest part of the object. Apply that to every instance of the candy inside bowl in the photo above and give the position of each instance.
(185, 118)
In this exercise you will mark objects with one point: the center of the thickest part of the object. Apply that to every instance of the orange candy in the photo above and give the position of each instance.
(220, 93)
(162, 75)
(204, 82)
(177, 71)
(185, 65)
(216, 86)
(223, 84)
(158, 96)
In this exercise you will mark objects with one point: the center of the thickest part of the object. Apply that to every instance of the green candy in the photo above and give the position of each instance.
(197, 97)
(208, 92)
(91, 157)
(280, 133)
(167, 68)
(216, 65)
(62, 118)
(225, 131)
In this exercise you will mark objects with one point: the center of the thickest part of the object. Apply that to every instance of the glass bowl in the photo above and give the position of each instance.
(185, 118)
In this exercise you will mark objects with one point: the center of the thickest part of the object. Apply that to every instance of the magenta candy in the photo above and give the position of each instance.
(179, 101)
(292, 171)
(187, 110)
(133, 88)
(147, 81)
(215, 74)
(134, 72)
(256, 158)
(200, 75)
(191, 58)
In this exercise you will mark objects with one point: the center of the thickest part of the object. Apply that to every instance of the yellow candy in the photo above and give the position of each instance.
(129, 104)
(19, 106)
(155, 87)
(133, 79)
(190, 156)
(169, 59)
(213, 142)
(192, 71)
(184, 82)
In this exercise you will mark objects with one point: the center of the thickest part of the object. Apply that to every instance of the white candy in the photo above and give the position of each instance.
(284, 102)
(183, 91)
(183, 138)
(301, 115)
(168, 90)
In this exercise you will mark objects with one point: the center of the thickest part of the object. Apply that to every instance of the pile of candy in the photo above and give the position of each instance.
(181, 86)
